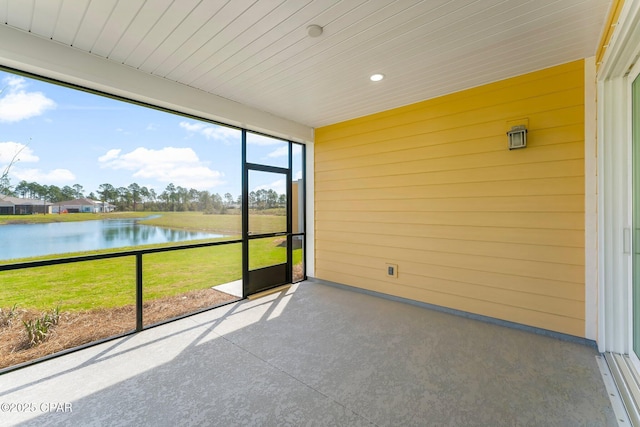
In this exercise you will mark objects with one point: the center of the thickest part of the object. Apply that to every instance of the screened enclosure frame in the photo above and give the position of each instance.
(138, 254)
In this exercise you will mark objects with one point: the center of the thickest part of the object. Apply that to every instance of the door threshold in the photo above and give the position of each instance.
(627, 384)
(269, 292)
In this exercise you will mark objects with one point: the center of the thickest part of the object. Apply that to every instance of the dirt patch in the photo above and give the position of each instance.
(81, 327)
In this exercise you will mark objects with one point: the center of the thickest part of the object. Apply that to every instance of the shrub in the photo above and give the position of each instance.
(8, 315)
(38, 329)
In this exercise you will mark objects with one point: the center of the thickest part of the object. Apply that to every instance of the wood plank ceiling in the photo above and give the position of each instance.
(258, 52)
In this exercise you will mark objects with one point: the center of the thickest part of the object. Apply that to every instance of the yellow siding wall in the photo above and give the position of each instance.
(472, 226)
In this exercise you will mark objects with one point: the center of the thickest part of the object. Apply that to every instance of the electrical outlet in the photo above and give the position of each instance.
(392, 270)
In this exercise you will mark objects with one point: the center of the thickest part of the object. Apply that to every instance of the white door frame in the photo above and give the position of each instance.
(633, 74)
(614, 182)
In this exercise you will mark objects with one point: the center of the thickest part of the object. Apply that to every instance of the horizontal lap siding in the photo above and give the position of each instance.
(472, 226)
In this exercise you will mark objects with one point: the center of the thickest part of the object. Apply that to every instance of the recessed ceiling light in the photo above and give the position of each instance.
(376, 77)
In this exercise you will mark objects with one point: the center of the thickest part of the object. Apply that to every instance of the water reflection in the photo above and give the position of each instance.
(137, 234)
(27, 240)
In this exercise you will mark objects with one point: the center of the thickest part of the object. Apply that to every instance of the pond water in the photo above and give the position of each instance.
(28, 240)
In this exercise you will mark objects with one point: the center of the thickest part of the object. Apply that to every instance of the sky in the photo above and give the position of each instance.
(64, 136)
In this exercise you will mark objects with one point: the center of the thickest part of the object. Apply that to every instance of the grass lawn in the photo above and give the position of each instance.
(223, 224)
(97, 298)
(43, 219)
(195, 221)
(110, 283)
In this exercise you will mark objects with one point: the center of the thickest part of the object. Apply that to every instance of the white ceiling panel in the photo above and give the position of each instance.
(69, 20)
(172, 21)
(175, 43)
(285, 64)
(264, 26)
(19, 14)
(258, 52)
(145, 19)
(41, 22)
(4, 6)
(229, 30)
(271, 41)
(207, 33)
(116, 27)
(286, 46)
(95, 18)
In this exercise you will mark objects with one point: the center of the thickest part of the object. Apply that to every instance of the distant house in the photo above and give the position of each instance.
(82, 205)
(6, 207)
(20, 206)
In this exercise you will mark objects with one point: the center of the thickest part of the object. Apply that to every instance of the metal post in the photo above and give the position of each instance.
(138, 292)
(245, 217)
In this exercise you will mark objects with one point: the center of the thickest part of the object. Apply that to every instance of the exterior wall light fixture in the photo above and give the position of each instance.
(517, 137)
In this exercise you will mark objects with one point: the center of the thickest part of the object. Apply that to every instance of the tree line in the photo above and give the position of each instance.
(135, 197)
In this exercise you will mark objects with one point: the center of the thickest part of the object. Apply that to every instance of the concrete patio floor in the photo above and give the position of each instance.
(316, 355)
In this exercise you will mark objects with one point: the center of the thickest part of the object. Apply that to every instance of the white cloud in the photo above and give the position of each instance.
(143, 156)
(151, 126)
(279, 186)
(17, 104)
(215, 132)
(119, 107)
(180, 166)
(55, 176)
(279, 152)
(25, 154)
(111, 154)
(222, 133)
(124, 131)
(15, 82)
(192, 127)
(21, 152)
